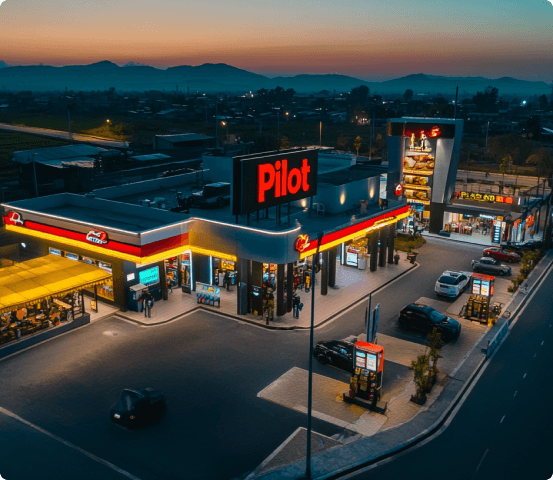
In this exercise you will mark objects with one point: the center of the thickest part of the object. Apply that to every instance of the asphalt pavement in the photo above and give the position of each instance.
(209, 367)
(503, 428)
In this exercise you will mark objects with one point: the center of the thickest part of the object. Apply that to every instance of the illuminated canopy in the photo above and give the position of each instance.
(26, 283)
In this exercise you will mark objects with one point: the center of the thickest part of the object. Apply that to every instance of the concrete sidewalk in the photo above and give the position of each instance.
(356, 451)
(353, 286)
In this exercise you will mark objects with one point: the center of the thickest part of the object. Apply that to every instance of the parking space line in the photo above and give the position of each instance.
(70, 445)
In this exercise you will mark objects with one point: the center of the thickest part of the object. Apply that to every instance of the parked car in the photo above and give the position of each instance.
(212, 194)
(490, 265)
(500, 254)
(423, 319)
(520, 247)
(137, 407)
(337, 353)
(452, 284)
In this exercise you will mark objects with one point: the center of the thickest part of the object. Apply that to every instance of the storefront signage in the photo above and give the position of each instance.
(13, 218)
(352, 256)
(149, 276)
(302, 242)
(130, 277)
(97, 236)
(431, 130)
(55, 251)
(263, 182)
(72, 256)
(485, 197)
(399, 189)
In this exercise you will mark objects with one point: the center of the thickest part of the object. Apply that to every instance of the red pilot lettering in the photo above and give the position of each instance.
(305, 169)
(284, 175)
(276, 178)
(264, 183)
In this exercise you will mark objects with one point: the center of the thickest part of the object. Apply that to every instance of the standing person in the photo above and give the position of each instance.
(226, 280)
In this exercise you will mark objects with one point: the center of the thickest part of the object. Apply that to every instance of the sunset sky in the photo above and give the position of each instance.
(372, 40)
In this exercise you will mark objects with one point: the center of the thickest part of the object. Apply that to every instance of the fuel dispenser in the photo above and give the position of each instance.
(365, 388)
(478, 306)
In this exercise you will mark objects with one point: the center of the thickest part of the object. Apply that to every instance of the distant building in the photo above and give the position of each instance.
(186, 140)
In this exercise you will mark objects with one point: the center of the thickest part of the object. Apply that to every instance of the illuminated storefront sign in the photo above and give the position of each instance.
(399, 189)
(97, 236)
(349, 233)
(268, 181)
(302, 243)
(13, 218)
(485, 197)
(149, 277)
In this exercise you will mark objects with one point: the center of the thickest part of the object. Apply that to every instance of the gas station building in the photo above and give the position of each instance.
(280, 206)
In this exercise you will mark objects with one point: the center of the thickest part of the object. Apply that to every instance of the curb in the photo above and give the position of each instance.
(332, 317)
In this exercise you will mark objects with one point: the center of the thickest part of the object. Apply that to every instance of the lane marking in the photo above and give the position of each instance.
(524, 376)
(515, 394)
(542, 343)
(482, 460)
(535, 355)
(70, 445)
(501, 421)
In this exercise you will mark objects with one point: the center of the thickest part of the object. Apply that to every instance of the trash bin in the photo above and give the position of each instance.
(412, 256)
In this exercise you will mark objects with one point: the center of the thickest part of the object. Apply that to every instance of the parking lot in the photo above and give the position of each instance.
(212, 370)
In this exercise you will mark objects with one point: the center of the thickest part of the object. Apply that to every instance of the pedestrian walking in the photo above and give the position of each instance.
(532, 234)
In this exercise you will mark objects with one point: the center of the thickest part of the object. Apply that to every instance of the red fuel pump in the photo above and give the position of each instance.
(366, 381)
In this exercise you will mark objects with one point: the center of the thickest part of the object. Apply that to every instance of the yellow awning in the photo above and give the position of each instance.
(27, 283)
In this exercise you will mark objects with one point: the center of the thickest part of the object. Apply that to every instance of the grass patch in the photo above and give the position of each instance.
(406, 243)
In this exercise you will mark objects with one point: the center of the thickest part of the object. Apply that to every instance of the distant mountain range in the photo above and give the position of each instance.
(226, 78)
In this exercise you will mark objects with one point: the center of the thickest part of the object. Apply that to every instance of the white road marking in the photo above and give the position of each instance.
(515, 394)
(70, 445)
(535, 355)
(501, 421)
(525, 375)
(481, 460)
(542, 343)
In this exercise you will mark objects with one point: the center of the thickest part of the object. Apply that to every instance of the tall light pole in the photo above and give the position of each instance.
(320, 134)
(310, 381)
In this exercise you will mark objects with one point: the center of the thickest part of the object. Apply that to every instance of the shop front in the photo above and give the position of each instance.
(43, 293)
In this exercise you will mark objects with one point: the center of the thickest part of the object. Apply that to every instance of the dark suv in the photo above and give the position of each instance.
(212, 194)
(337, 353)
(423, 319)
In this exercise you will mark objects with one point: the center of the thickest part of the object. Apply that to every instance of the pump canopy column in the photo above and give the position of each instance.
(324, 272)
(332, 267)
(373, 250)
(391, 242)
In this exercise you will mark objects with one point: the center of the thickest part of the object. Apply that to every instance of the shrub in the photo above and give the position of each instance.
(509, 289)
(521, 278)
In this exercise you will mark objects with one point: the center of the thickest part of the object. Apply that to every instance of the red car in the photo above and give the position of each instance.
(501, 255)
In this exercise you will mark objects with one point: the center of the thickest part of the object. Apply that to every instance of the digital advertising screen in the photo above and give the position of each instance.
(371, 362)
(360, 359)
(476, 287)
(351, 258)
(55, 251)
(149, 276)
(485, 288)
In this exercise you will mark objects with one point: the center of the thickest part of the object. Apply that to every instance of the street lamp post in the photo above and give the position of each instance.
(310, 381)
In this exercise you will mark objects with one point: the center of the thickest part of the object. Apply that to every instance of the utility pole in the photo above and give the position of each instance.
(315, 263)
(216, 125)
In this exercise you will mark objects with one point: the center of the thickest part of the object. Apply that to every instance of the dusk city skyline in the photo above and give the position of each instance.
(371, 42)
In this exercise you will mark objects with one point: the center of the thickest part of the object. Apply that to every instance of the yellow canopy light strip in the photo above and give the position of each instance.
(123, 256)
(376, 226)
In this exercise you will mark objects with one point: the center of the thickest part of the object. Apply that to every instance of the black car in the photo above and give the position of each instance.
(491, 266)
(137, 407)
(521, 247)
(336, 353)
(423, 319)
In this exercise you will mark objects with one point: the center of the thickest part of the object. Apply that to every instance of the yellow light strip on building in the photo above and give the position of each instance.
(351, 236)
(123, 256)
(213, 253)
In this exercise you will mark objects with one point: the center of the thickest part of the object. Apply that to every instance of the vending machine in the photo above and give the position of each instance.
(366, 382)
(478, 305)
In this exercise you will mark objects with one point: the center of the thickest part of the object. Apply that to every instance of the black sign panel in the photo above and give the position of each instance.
(263, 181)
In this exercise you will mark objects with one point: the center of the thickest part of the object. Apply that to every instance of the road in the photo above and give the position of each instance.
(211, 369)
(77, 137)
(498, 177)
(503, 428)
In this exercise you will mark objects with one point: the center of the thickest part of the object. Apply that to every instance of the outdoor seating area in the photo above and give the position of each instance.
(42, 293)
